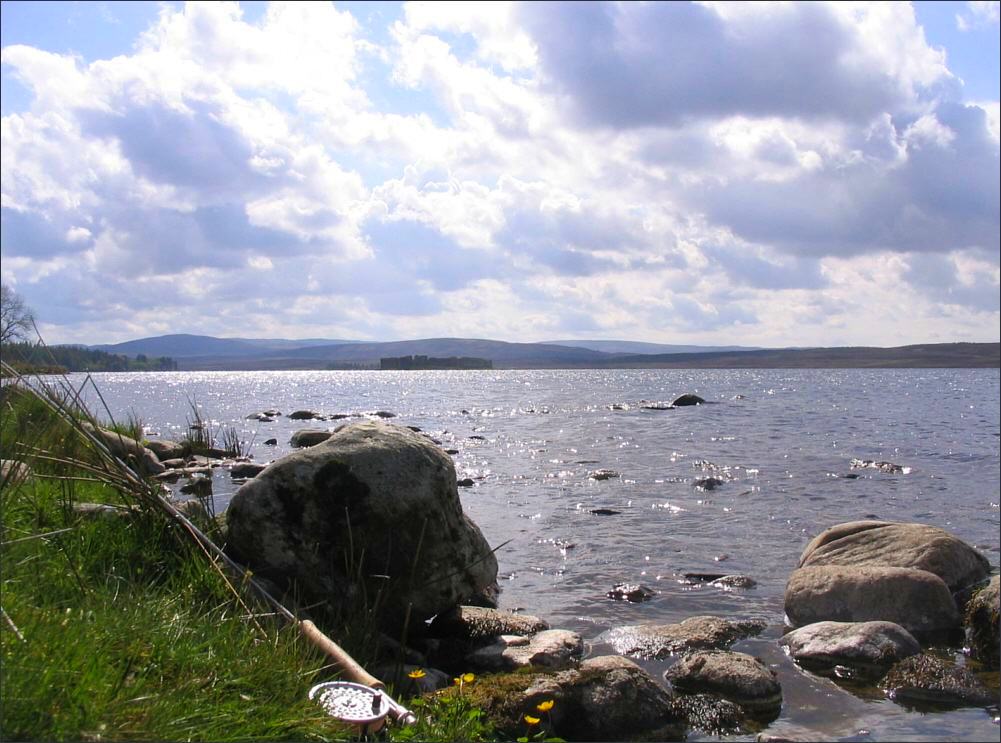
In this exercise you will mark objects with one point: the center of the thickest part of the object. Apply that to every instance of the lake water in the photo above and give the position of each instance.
(781, 440)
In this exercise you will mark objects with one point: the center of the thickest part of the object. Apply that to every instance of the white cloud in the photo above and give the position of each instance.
(979, 14)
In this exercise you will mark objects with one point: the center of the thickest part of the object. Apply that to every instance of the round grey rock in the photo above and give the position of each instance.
(915, 599)
(309, 437)
(738, 677)
(867, 647)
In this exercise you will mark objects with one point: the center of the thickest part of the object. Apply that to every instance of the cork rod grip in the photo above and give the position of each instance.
(348, 666)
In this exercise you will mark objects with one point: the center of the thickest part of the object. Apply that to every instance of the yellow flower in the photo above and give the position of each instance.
(545, 706)
(468, 678)
(417, 673)
(532, 720)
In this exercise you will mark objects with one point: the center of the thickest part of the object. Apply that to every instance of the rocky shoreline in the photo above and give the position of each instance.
(870, 601)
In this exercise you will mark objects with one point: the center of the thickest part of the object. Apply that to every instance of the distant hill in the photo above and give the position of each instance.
(639, 347)
(185, 345)
(194, 352)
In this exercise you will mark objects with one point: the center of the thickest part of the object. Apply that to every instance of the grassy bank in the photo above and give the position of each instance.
(117, 626)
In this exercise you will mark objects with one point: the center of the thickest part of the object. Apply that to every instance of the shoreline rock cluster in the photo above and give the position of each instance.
(370, 512)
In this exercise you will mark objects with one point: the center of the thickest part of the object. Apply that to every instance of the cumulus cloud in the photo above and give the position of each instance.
(705, 172)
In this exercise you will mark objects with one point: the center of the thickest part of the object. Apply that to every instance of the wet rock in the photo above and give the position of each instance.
(738, 677)
(656, 406)
(982, 631)
(721, 580)
(924, 680)
(867, 648)
(688, 399)
(899, 545)
(602, 474)
(659, 641)
(707, 483)
(466, 482)
(246, 470)
(633, 592)
(134, 454)
(480, 624)
(304, 415)
(261, 417)
(554, 648)
(915, 599)
(477, 437)
(604, 512)
(888, 467)
(271, 442)
(710, 713)
(165, 450)
(174, 464)
(308, 437)
(383, 414)
(452, 452)
(376, 497)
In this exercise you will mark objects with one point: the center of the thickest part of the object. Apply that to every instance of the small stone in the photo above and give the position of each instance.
(632, 592)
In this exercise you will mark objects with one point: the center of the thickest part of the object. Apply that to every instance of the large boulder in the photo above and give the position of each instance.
(868, 648)
(915, 599)
(165, 450)
(695, 633)
(481, 624)
(371, 514)
(897, 545)
(551, 648)
(982, 628)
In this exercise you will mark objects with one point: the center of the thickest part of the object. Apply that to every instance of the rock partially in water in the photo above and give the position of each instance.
(383, 414)
(607, 698)
(710, 714)
(480, 624)
(306, 437)
(633, 592)
(888, 467)
(604, 512)
(466, 482)
(867, 648)
(720, 580)
(898, 545)
(304, 415)
(659, 641)
(982, 630)
(688, 399)
(198, 484)
(602, 474)
(738, 677)
(915, 599)
(244, 470)
(553, 648)
(271, 442)
(926, 681)
(708, 483)
(165, 450)
(374, 500)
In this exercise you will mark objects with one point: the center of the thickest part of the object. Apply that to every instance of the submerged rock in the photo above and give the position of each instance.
(376, 503)
(924, 680)
(662, 640)
(868, 648)
(631, 592)
(707, 483)
(738, 677)
(688, 399)
(304, 415)
(888, 467)
(602, 474)
(982, 630)
(710, 713)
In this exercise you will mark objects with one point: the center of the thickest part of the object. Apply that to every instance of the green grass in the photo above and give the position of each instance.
(118, 627)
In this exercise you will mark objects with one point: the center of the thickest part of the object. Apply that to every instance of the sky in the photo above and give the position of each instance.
(767, 174)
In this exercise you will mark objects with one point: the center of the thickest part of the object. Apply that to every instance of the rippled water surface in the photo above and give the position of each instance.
(780, 440)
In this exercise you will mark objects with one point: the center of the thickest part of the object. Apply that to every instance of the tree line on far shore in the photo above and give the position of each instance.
(23, 353)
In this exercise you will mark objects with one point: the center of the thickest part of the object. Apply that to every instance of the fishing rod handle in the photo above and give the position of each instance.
(348, 666)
